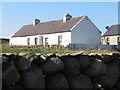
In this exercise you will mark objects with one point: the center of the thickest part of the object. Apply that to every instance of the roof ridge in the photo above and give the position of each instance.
(116, 25)
(61, 19)
(53, 21)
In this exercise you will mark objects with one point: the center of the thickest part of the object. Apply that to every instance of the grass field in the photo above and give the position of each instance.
(57, 50)
(32, 49)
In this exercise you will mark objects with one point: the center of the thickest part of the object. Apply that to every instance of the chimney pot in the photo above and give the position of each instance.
(107, 27)
(66, 17)
(36, 21)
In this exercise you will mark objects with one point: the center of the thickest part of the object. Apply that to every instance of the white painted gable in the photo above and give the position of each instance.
(85, 32)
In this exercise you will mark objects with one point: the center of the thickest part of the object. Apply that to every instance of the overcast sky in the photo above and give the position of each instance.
(17, 14)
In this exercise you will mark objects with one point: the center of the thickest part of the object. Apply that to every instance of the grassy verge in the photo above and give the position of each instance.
(37, 49)
(32, 49)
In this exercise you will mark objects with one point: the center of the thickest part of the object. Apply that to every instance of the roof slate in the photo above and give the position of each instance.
(47, 27)
(113, 30)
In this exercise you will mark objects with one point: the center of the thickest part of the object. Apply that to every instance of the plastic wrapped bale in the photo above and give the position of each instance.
(41, 59)
(56, 81)
(79, 82)
(111, 88)
(10, 74)
(71, 66)
(4, 58)
(84, 62)
(14, 87)
(109, 79)
(38, 59)
(96, 68)
(52, 65)
(33, 78)
(118, 83)
(107, 58)
(98, 56)
(97, 87)
(12, 57)
(22, 63)
(116, 55)
(30, 56)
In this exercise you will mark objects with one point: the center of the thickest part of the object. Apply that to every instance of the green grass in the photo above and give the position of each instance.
(13, 50)
(38, 49)
(32, 49)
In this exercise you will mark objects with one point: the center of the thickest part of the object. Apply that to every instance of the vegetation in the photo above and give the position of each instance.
(51, 49)
(32, 49)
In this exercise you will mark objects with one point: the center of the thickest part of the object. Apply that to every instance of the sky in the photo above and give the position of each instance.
(17, 14)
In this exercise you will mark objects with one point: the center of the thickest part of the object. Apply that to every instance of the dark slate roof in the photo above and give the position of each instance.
(4, 39)
(113, 30)
(47, 27)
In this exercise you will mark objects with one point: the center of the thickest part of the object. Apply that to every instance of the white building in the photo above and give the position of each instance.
(75, 31)
(111, 37)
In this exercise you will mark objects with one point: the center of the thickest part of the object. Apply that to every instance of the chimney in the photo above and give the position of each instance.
(66, 17)
(36, 21)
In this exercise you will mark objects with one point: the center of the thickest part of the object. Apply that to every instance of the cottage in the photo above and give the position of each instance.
(111, 36)
(74, 31)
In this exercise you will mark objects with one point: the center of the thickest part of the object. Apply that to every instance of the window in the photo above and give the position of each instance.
(41, 40)
(60, 40)
(46, 41)
(118, 40)
(28, 41)
(108, 41)
(36, 41)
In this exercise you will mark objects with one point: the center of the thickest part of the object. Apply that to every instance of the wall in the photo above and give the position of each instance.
(85, 32)
(113, 40)
(83, 46)
(30, 71)
(52, 39)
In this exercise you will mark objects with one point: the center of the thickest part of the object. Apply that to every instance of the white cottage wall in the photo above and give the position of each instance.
(113, 40)
(52, 39)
